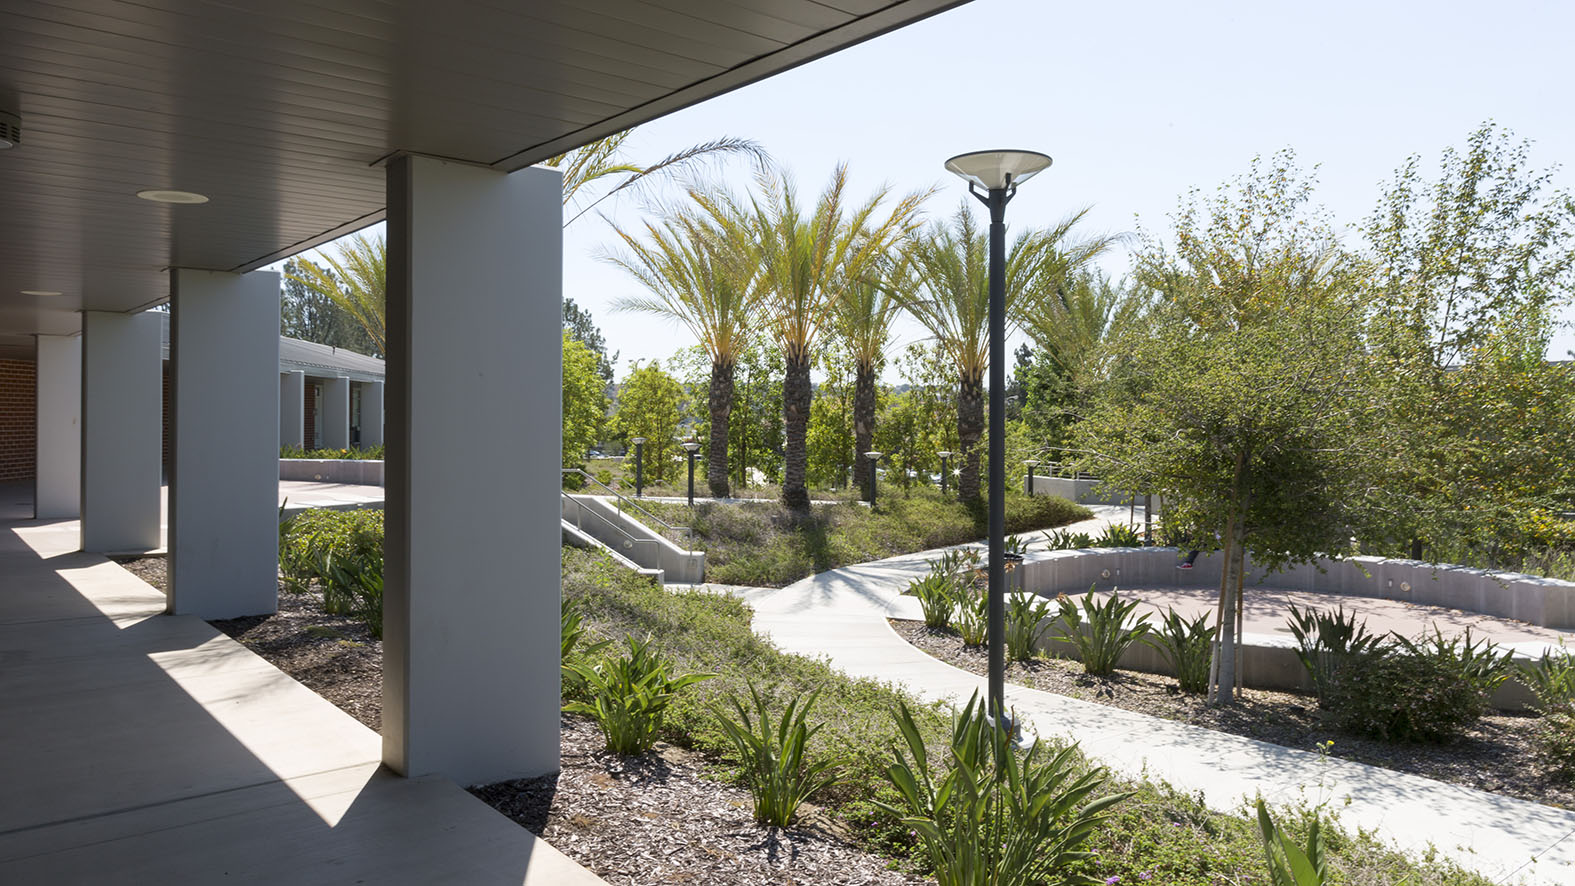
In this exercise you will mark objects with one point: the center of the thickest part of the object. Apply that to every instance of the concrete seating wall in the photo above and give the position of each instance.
(349, 471)
(1542, 601)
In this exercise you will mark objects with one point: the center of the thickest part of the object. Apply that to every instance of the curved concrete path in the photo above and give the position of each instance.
(841, 615)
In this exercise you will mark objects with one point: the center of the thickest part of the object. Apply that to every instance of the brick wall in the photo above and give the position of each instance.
(18, 419)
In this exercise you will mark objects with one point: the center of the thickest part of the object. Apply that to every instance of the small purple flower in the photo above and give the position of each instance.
(1146, 875)
(1112, 881)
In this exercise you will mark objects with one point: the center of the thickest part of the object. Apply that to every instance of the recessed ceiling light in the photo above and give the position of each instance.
(163, 196)
(40, 292)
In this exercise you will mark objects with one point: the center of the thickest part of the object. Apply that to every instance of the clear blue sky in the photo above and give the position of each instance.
(1136, 102)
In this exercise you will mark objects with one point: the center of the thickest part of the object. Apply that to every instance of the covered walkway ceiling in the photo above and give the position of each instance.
(281, 112)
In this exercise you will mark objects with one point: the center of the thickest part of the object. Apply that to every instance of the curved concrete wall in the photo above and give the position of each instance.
(351, 471)
(1547, 602)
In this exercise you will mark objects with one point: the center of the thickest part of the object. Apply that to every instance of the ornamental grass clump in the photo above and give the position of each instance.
(991, 816)
(629, 694)
(1551, 678)
(1101, 632)
(972, 616)
(774, 755)
(936, 599)
(1188, 646)
(1025, 615)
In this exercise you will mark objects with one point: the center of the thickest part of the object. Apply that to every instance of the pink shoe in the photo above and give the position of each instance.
(1185, 566)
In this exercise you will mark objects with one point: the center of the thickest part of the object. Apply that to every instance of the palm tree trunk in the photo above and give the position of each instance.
(721, 404)
(863, 423)
(970, 428)
(796, 394)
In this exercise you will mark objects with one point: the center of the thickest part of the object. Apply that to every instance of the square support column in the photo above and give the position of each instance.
(470, 642)
(122, 431)
(292, 408)
(335, 409)
(224, 467)
(371, 414)
(57, 474)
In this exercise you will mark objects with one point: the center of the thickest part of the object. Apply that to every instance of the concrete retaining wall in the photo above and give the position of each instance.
(350, 471)
(633, 539)
(1547, 602)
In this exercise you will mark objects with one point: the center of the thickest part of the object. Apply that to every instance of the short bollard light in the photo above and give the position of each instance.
(944, 454)
(639, 465)
(1031, 463)
(691, 447)
(873, 456)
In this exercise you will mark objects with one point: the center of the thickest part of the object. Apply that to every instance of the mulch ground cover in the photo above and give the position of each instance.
(1496, 755)
(655, 819)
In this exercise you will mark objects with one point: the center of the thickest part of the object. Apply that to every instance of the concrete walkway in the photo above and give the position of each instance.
(137, 747)
(842, 614)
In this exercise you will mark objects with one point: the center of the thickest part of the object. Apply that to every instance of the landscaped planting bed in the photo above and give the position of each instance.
(1498, 753)
(766, 545)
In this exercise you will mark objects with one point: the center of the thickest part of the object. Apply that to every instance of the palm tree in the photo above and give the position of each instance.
(1076, 316)
(355, 281)
(601, 159)
(865, 312)
(952, 301)
(704, 277)
(804, 259)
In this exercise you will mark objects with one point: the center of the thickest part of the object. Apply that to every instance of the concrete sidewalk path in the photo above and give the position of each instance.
(841, 615)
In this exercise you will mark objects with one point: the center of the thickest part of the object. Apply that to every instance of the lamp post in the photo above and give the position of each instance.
(1031, 463)
(691, 447)
(639, 466)
(874, 456)
(993, 177)
(944, 454)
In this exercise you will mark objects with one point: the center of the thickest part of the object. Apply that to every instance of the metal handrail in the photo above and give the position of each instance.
(688, 531)
(630, 541)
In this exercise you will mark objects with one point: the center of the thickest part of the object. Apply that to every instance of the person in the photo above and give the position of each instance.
(1192, 556)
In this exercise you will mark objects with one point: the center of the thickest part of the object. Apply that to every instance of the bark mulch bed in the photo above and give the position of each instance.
(1497, 755)
(656, 819)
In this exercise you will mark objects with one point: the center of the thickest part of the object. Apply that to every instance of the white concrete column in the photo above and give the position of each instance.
(57, 473)
(334, 407)
(371, 414)
(470, 642)
(122, 431)
(224, 466)
(292, 408)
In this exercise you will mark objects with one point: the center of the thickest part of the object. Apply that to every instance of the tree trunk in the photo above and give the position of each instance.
(863, 424)
(796, 394)
(1222, 689)
(721, 404)
(970, 427)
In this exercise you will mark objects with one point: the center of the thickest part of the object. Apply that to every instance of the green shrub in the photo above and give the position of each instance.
(370, 452)
(1419, 691)
(629, 694)
(935, 599)
(353, 586)
(1062, 540)
(972, 616)
(1551, 678)
(993, 816)
(1325, 641)
(1188, 646)
(1555, 738)
(342, 552)
(573, 646)
(775, 755)
(604, 477)
(1119, 535)
(1289, 864)
(1024, 615)
(1101, 632)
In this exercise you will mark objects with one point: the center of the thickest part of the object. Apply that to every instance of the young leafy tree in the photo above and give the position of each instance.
(704, 277)
(579, 324)
(1246, 398)
(649, 406)
(829, 441)
(952, 300)
(584, 400)
(806, 254)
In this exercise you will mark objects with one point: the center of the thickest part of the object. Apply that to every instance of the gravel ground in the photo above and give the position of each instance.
(655, 819)
(1497, 755)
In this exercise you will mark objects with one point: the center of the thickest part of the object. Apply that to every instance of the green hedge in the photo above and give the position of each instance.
(371, 452)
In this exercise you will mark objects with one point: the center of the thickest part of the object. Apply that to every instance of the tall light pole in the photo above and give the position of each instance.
(639, 466)
(874, 456)
(993, 177)
(944, 454)
(690, 447)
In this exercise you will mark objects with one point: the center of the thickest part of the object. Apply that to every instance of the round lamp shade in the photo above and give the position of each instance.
(637, 440)
(873, 454)
(993, 170)
(691, 446)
